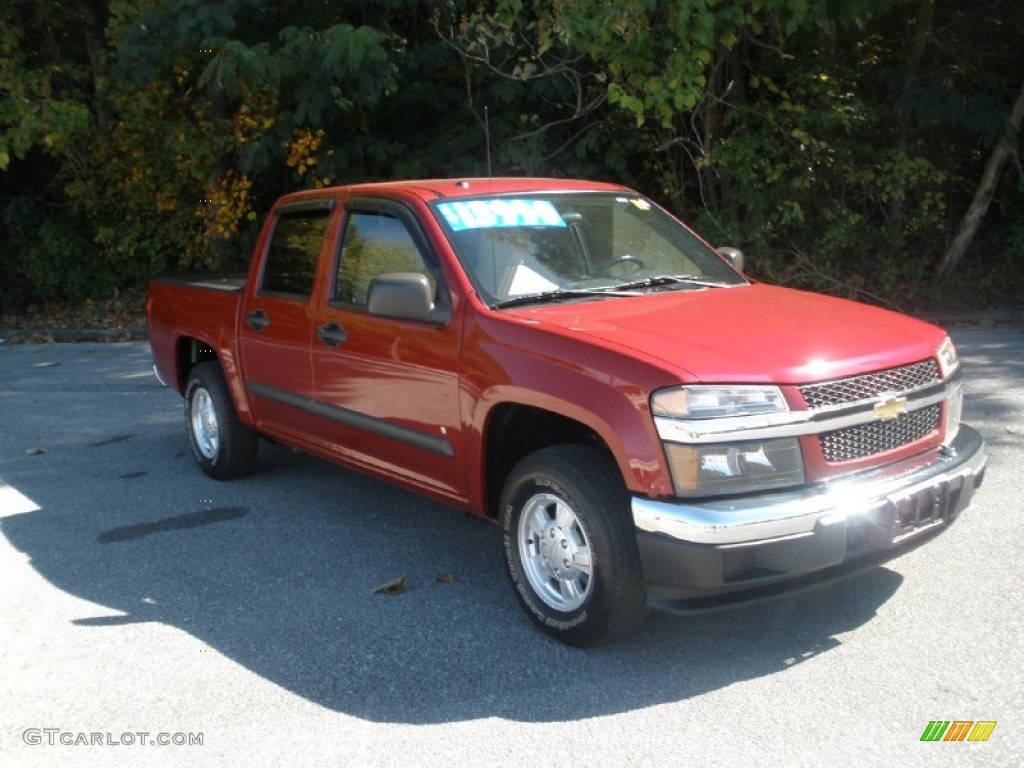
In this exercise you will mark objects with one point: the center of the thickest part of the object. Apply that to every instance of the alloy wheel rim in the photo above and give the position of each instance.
(205, 426)
(555, 552)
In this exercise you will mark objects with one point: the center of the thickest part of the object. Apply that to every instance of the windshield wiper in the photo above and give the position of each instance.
(651, 282)
(562, 293)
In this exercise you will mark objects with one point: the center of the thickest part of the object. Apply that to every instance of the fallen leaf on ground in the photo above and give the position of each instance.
(393, 587)
(447, 579)
(35, 451)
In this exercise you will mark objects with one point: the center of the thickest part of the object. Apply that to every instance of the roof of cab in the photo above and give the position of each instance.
(435, 189)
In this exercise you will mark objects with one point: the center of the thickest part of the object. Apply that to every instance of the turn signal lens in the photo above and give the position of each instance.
(954, 408)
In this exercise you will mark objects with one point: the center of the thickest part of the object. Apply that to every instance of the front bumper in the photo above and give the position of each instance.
(709, 554)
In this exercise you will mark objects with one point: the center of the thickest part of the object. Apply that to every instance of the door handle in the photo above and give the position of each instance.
(257, 320)
(331, 335)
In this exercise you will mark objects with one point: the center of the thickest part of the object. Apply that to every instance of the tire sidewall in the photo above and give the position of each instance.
(196, 383)
(520, 490)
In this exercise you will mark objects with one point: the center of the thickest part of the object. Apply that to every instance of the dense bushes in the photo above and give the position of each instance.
(839, 144)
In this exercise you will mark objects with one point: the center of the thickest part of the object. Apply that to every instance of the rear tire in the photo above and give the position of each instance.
(570, 546)
(223, 447)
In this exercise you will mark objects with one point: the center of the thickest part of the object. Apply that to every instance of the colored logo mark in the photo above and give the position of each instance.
(958, 730)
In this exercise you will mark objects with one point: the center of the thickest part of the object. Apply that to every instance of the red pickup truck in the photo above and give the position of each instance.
(650, 427)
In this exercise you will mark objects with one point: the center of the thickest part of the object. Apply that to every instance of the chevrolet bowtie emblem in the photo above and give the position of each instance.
(891, 408)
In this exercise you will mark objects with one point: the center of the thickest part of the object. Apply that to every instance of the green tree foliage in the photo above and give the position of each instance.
(46, 116)
(839, 143)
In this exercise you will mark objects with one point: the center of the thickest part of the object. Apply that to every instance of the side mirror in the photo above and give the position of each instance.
(734, 256)
(403, 295)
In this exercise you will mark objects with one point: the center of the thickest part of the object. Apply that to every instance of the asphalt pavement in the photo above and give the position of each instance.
(144, 602)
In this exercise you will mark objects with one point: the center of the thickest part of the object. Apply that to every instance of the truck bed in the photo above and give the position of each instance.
(203, 308)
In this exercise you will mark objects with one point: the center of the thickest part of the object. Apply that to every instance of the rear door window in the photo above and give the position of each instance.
(293, 253)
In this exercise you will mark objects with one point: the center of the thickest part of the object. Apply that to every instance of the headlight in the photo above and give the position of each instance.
(949, 361)
(703, 469)
(699, 470)
(710, 402)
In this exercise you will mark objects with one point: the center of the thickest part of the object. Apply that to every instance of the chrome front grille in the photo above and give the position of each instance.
(878, 436)
(870, 385)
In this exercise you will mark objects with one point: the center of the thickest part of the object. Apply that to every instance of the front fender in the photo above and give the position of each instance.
(600, 388)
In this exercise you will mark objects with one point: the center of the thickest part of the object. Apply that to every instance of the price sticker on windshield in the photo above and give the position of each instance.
(491, 214)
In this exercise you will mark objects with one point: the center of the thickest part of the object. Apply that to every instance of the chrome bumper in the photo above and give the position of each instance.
(723, 545)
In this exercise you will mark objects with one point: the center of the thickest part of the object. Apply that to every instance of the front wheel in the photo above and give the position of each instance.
(570, 545)
(223, 447)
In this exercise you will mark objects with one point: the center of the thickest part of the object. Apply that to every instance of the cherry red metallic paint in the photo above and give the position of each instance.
(748, 334)
(595, 362)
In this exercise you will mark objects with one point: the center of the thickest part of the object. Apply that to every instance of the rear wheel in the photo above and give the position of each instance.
(570, 545)
(222, 446)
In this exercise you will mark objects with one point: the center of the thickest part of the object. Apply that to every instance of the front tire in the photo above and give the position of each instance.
(223, 447)
(570, 546)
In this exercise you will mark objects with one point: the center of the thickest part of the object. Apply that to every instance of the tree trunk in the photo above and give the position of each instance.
(982, 195)
(922, 31)
(94, 24)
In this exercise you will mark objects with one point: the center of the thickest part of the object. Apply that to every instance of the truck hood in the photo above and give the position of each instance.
(750, 333)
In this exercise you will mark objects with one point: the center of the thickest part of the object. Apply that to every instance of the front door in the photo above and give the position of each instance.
(387, 389)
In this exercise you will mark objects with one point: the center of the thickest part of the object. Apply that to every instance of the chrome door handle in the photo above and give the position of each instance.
(257, 320)
(331, 335)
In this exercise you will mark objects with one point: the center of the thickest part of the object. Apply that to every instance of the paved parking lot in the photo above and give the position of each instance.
(140, 597)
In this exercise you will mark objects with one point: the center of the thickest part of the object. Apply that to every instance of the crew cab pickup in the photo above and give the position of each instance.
(650, 427)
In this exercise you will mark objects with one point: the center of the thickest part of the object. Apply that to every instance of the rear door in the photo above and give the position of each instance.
(388, 388)
(276, 330)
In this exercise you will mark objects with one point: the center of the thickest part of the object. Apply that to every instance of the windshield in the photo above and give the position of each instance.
(579, 245)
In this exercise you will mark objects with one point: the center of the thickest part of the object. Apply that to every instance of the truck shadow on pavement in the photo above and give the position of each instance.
(277, 571)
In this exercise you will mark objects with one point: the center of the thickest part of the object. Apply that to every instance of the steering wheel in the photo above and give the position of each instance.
(623, 265)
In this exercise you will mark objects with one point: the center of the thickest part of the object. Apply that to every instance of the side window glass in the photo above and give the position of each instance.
(293, 253)
(375, 244)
